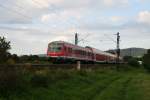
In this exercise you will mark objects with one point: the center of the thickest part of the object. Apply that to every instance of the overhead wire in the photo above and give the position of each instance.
(110, 38)
(16, 5)
(83, 39)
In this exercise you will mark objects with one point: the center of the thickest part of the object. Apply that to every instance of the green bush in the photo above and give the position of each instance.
(127, 58)
(134, 63)
(146, 64)
(10, 61)
(11, 80)
(146, 60)
(147, 67)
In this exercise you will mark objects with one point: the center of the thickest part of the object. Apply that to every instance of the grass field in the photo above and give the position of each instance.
(133, 84)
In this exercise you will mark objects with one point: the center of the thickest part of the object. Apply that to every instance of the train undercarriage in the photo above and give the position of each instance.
(61, 60)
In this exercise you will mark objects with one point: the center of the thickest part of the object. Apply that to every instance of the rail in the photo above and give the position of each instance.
(61, 66)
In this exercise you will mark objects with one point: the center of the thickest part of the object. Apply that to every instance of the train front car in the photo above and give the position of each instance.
(56, 51)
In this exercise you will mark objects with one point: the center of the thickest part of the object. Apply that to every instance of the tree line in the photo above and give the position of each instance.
(7, 58)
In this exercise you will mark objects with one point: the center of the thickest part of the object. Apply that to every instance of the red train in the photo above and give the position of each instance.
(60, 51)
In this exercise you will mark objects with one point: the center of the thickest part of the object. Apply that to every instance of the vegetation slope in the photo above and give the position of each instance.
(102, 84)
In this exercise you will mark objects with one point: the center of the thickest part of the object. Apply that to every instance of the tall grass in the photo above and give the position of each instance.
(99, 84)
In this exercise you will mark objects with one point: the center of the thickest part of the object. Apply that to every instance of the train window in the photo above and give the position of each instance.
(65, 48)
(81, 52)
(70, 50)
(89, 54)
(55, 47)
(78, 52)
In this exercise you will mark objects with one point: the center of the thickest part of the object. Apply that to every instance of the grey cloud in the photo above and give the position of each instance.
(29, 35)
(24, 11)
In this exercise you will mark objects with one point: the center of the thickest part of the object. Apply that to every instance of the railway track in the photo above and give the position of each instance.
(62, 66)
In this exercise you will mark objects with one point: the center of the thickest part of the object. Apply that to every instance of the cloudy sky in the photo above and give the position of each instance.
(31, 24)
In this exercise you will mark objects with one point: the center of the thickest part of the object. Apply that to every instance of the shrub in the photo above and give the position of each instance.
(147, 67)
(134, 63)
(15, 58)
(146, 60)
(11, 80)
(10, 61)
(127, 58)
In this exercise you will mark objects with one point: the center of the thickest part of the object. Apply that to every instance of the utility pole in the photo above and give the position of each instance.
(76, 43)
(76, 38)
(118, 49)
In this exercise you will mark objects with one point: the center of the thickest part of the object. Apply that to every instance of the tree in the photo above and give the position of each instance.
(24, 58)
(146, 60)
(134, 62)
(4, 47)
(131, 61)
(33, 58)
(15, 58)
(127, 58)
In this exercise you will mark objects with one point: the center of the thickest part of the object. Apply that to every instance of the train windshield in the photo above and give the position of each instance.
(55, 47)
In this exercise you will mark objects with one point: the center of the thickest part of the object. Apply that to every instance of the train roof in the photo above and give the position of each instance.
(103, 52)
(72, 45)
(57, 42)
